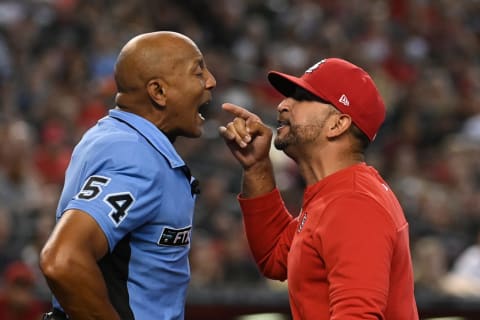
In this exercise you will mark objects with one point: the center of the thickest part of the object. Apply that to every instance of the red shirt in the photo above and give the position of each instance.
(347, 254)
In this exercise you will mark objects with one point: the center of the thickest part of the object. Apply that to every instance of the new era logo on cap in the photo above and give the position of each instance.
(344, 100)
(346, 86)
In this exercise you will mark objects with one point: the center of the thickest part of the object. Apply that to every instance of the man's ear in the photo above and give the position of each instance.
(338, 124)
(156, 89)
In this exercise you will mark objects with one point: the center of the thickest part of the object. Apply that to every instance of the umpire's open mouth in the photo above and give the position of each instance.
(203, 108)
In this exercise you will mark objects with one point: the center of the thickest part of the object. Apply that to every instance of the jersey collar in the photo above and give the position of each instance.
(330, 181)
(152, 134)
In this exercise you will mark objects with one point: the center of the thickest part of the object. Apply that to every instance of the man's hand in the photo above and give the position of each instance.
(248, 138)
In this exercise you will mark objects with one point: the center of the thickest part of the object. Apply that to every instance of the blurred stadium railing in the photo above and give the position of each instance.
(265, 304)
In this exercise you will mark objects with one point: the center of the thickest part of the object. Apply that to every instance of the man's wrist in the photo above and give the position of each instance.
(258, 179)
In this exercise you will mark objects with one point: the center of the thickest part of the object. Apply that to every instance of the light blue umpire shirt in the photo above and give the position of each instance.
(126, 174)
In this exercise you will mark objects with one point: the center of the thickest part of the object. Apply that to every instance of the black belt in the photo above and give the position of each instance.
(55, 314)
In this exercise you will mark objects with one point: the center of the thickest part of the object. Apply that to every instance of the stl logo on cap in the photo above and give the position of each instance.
(315, 66)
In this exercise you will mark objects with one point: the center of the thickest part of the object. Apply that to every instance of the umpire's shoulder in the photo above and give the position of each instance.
(116, 146)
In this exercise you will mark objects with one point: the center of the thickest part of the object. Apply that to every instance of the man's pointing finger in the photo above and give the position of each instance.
(239, 111)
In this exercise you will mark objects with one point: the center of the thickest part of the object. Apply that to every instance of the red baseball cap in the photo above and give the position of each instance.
(346, 86)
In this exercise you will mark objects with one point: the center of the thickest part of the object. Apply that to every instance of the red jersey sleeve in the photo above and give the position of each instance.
(356, 238)
(269, 228)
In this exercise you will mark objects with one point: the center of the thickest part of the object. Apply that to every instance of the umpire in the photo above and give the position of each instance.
(120, 247)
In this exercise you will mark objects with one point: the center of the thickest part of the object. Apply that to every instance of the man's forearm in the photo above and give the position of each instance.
(82, 309)
(258, 179)
(84, 297)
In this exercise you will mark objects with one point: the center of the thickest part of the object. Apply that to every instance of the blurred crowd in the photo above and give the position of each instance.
(56, 63)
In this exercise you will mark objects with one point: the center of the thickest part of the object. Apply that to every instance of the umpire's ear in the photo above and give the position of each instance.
(156, 89)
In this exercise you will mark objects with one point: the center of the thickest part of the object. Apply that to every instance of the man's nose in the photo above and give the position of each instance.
(284, 105)
(211, 82)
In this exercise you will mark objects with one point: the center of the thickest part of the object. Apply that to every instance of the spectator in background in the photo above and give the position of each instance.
(7, 253)
(17, 297)
(464, 278)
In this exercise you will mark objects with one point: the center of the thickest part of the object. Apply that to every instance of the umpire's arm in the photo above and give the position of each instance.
(69, 263)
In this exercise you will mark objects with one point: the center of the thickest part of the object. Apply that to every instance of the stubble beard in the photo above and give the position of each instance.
(299, 135)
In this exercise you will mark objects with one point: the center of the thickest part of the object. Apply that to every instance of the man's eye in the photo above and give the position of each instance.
(199, 71)
(300, 96)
